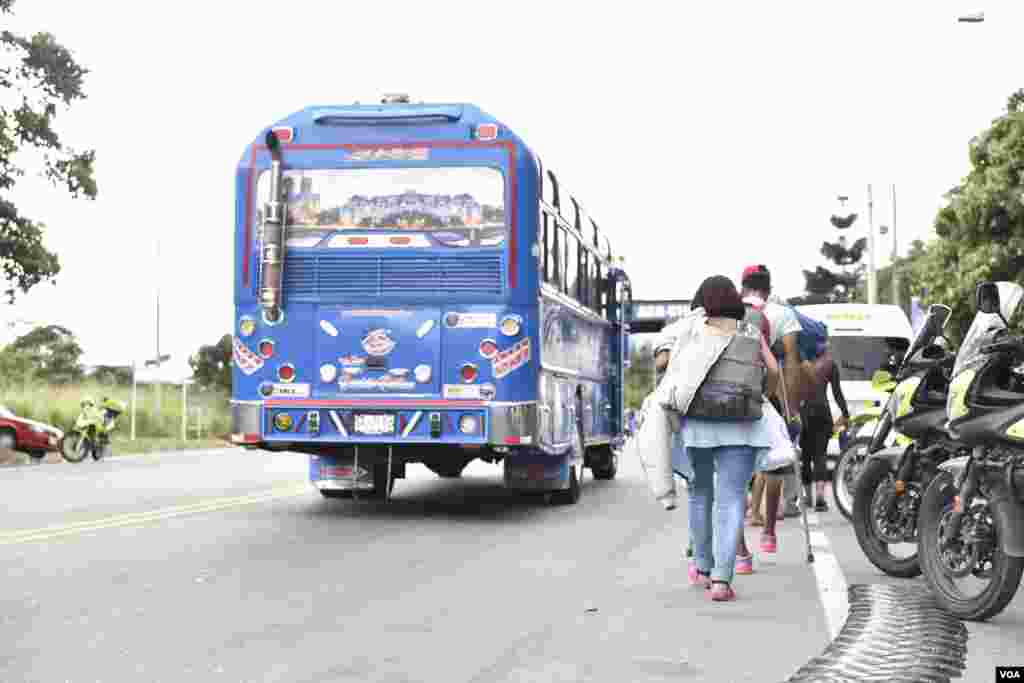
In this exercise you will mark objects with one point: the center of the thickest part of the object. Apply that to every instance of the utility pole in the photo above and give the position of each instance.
(895, 253)
(872, 276)
(157, 358)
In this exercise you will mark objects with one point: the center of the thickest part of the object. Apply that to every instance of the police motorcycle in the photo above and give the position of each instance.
(893, 479)
(972, 514)
(92, 430)
(854, 449)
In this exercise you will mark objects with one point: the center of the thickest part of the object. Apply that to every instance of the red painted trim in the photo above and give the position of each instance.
(248, 215)
(509, 145)
(410, 404)
(245, 438)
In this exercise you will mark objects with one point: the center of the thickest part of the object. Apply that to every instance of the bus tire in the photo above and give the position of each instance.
(571, 495)
(604, 463)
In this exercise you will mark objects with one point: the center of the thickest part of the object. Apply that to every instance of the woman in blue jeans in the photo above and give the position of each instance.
(728, 447)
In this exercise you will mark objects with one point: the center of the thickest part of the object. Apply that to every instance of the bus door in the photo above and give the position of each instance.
(618, 309)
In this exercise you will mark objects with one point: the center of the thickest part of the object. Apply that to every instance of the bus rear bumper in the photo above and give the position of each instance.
(433, 422)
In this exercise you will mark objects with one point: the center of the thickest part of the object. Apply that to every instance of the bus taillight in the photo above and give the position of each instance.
(468, 372)
(361, 241)
(285, 135)
(286, 373)
(488, 349)
(266, 348)
(486, 132)
(400, 240)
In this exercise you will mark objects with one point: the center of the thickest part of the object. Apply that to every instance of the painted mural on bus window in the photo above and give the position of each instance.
(442, 206)
(573, 342)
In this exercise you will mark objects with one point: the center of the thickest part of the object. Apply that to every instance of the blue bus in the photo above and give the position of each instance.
(413, 286)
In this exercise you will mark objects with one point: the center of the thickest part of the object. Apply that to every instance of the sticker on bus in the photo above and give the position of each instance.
(461, 391)
(290, 390)
(511, 359)
(385, 383)
(247, 361)
(471, 320)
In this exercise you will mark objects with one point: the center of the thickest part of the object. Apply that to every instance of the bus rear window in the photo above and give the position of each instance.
(860, 357)
(455, 206)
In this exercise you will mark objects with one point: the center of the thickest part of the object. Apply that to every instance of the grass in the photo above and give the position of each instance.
(60, 406)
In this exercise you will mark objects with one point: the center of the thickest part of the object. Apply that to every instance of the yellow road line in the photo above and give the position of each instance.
(136, 518)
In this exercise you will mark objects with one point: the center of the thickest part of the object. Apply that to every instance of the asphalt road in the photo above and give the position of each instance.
(226, 566)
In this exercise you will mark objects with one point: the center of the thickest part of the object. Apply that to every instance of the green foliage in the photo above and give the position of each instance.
(966, 252)
(53, 353)
(16, 369)
(211, 365)
(39, 76)
(640, 375)
(112, 375)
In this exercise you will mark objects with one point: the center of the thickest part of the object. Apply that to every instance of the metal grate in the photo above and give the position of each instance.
(319, 277)
(892, 634)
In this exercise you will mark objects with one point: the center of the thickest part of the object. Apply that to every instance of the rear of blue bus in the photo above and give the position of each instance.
(405, 329)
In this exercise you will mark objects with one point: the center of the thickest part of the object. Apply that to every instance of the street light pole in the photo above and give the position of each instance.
(872, 275)
(895, 254)
(157, 269)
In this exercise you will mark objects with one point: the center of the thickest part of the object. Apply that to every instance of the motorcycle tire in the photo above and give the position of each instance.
(69, 447)
(843, 494)
(1006, 570)
(877, 473)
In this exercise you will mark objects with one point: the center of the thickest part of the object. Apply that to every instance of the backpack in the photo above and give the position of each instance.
(812, 343)
(733, 389)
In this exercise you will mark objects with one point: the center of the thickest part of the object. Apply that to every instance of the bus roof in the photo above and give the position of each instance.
(391, 123)
(867, 320)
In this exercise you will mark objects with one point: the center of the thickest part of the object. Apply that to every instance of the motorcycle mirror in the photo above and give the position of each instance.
(987, 298)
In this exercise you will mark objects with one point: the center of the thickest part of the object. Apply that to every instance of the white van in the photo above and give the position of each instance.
(863, 337)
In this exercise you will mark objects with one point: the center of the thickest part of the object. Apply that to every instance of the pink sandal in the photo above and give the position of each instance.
(721, 592)
(698, 579)
(768, 543)
(745, 564)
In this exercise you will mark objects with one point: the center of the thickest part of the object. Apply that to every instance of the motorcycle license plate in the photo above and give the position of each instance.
(374, 424)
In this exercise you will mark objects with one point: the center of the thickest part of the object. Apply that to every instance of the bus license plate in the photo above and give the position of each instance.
(374, 424)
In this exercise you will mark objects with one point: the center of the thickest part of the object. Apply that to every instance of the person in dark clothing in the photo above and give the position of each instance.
(818, 426)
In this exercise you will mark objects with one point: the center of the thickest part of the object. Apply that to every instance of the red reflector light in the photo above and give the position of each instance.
(468, 372)
(286, 373)
(512, 440)
(487, 131)
(488, 349)
(358, 240)
(285, 135)
(400, 240)
(266, 348)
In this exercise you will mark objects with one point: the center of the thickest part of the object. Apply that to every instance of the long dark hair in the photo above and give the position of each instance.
(718, 297)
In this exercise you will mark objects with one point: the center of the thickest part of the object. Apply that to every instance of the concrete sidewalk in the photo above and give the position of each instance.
(670, 630)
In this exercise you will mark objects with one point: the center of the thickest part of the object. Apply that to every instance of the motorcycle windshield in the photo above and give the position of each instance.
(932, 328)
(985, 325)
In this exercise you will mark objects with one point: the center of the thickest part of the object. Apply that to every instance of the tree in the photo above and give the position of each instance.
(37, 75)
(640, 375)
(981, 227)
(823, 285)
(113, 375)
(53, 352)
(211, 365)
(16, 368)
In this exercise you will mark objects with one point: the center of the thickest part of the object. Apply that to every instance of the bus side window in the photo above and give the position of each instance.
(595, 286)
(556, 253)
(571, 262)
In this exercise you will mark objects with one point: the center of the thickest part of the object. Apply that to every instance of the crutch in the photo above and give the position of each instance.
(803, 508)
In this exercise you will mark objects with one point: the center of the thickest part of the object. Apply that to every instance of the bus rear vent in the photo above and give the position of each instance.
(337, 276)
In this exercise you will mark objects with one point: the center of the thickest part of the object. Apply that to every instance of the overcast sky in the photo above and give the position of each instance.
(701, 137)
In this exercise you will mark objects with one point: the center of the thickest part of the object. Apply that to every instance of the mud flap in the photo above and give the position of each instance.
(892, 455)
(1009, 516)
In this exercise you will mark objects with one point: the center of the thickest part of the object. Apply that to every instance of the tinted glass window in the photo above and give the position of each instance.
(860, 357)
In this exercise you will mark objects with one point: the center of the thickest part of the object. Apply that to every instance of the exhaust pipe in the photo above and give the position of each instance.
(272, 240)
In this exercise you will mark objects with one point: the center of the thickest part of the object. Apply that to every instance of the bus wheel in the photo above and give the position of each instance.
(604, 463)
(571, 495)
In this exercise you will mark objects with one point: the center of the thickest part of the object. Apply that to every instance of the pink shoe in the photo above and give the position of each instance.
(768, 543)
(721, 592)
(745, 565)
(691, 572)
(697, 580)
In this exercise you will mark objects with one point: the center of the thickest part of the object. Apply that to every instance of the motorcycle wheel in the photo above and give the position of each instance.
(1005, 571)
(844, 476)
(101, 452)
(75, 447)
(875, 474)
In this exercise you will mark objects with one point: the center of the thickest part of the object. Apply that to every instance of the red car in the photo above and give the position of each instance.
(28, 436)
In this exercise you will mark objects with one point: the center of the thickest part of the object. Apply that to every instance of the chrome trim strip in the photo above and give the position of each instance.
(576, 374)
